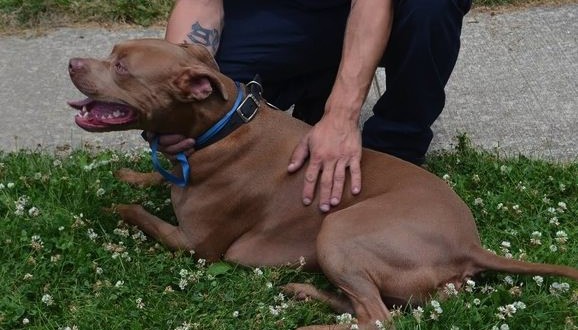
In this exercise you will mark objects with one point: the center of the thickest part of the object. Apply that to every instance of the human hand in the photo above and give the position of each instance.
(171, 144)
(332, 146)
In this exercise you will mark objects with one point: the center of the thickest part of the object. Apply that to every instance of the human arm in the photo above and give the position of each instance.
(191, 21)
(196, 21)
(334, 144)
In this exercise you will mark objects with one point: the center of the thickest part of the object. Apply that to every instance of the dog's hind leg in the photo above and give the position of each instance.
(170, 236)
(139, 179)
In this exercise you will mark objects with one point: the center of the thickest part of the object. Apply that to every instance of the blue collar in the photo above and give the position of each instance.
(244, 112)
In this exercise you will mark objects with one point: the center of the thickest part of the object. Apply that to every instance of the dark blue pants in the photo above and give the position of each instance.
(295, 45)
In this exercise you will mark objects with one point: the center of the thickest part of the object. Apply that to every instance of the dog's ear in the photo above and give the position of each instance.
(201, 53)
(197, 82)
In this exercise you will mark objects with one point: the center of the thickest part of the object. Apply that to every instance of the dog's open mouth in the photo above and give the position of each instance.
(103, 116)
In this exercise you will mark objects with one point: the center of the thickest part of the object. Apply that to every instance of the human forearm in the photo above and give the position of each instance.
(366, 37)
(199, 21)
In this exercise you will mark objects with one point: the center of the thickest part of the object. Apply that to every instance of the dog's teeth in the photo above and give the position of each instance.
(116, 114)
(84, 108)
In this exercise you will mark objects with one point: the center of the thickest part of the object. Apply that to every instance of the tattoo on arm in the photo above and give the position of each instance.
(207, 37)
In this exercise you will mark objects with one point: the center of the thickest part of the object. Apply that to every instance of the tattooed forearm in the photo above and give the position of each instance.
(209, 38)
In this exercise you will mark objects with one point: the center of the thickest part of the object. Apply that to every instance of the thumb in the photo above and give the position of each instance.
(300, 154)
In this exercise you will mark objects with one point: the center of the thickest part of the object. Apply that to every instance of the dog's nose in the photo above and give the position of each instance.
(75, 65)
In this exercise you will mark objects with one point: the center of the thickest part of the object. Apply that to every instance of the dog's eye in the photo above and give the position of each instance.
(119, 68)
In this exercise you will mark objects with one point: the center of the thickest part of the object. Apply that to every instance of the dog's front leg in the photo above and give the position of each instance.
(139, 179)
(170, 236)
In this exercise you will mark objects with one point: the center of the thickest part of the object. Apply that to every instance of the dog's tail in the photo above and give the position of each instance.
(486, 260)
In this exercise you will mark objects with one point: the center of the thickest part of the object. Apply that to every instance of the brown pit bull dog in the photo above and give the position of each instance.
(404, 237)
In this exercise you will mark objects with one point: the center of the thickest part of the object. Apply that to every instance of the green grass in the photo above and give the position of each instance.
(22, 14)
(74, 252)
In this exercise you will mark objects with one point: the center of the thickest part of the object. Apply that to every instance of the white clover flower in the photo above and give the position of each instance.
(562, 187)
(506, 244)
(504, 327)
(121, 232)
(546, 200)
(139, 303)
(509, 280)
(553, 248)
(183, 283)
(258, 272)
(99, 271)
(450, 289)
(47, 299)
(417, 313)
(2, 187)
(559, 288)
(470, 285)
(535, 240)
(140, 236)
(302, 261)
(519, 305)
(274, 310)
(100, 192)
(477, 301)
(119, 284)
(516, 208)
(279, 297)
(554, 221)
(354, 327)
(92, 235)
(28, 276)
(10, 185)
(562, 207)
(36, 242)
(25, 321)
(561, 237)
(236, 314)
(476, 178)
(269, 285)
(201, 263)
(379, 325)
(344, 318)
(551, 210)
(505, 169)
(437, 308)
(57, 163)
(538, 279)
(34, 211)
(185, 326)
(479, 201)
(507, 311)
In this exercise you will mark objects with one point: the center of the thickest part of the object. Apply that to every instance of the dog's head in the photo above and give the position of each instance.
(145, 84)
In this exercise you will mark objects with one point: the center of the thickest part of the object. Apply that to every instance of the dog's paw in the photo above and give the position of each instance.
(299, 291)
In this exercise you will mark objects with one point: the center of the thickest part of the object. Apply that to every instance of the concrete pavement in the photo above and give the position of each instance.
(514, 86)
